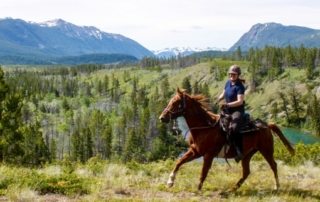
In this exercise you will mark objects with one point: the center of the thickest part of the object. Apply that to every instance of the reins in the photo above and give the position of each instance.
(200, 128)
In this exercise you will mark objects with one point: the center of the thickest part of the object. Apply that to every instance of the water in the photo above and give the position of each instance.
(296, 136)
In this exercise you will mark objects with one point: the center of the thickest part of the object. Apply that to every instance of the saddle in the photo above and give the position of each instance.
(246, 126)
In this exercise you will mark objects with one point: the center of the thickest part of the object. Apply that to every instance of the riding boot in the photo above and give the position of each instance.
(239, 154)
(238, 147)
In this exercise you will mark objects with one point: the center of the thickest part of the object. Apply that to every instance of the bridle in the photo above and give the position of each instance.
(180, 111)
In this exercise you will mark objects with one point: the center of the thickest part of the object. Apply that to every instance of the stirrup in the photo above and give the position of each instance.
(238, 157)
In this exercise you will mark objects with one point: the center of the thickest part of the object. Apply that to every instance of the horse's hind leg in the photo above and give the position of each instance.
(269, 158)
(188, 156)
(245, 170)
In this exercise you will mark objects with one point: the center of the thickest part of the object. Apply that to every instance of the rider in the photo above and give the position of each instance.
(233, 94)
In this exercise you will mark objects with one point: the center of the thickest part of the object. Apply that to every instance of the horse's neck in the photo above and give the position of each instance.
(202, 129)
(204, 118)
(196, 121)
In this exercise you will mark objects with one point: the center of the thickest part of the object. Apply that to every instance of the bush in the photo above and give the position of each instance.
(67, 184)
(96, 165)
(64, 184)
(303, 153)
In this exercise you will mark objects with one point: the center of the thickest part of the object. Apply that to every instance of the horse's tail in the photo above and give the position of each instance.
(284, 140)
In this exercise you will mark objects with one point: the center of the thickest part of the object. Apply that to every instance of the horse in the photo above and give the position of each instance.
(207, 138)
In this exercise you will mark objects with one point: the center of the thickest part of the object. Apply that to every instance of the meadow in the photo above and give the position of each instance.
(104, 180)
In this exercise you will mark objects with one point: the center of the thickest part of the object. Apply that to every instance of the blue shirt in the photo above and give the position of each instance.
(231, 94)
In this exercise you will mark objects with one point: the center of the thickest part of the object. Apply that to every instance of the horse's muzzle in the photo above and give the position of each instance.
(163, 119)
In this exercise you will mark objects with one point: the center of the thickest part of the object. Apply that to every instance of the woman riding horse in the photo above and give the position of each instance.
(207, 139)
(233, 94)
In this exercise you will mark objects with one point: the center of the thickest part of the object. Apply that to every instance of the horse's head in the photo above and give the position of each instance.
(175, 108)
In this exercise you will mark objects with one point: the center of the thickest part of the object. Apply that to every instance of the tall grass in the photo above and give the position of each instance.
(110, 181)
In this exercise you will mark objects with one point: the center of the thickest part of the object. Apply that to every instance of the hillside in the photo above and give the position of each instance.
(58, 38)
(278, 35)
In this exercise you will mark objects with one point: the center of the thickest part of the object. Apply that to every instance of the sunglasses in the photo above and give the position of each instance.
(231, 74)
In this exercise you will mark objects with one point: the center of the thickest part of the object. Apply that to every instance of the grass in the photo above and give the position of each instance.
(146, 182)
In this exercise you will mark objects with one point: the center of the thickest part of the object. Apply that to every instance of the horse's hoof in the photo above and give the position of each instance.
(170, 184)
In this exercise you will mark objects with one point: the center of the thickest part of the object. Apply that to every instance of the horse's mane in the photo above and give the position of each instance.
(204, 104)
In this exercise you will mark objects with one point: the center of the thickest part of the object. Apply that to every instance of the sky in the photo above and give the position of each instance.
(159, 24)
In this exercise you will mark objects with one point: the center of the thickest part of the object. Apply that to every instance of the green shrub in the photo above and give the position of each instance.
(96, 165)
(64, 184)
(303, 153)
(67, 184)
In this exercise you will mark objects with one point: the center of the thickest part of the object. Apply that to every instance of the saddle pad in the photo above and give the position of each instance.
(252, 125)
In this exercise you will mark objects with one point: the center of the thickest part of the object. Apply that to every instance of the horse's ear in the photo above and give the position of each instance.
(180, 92)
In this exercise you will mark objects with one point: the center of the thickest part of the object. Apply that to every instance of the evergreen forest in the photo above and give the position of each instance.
(76, 112)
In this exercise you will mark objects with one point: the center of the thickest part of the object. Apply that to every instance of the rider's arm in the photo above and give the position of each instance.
(221, 96)
(238, 102)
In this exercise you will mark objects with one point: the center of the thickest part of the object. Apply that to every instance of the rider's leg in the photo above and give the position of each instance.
(235, 135)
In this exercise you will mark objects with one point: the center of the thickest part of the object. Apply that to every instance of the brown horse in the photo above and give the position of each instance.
(207, 138)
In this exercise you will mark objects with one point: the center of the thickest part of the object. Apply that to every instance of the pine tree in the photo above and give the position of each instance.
(253, 70)
(285, 105)
(314, 111)
(196, 89)
(96, 126)
(289, 57)
(205, 90)
(295, 103)
(310, 63)
(274, 110)
(35, 150)
(76, 146)
(106, 84)
(12, 138)
(87, 143)
(186, 85)
(53, 150)
(107, 140)
(164, 92)
(133, 149)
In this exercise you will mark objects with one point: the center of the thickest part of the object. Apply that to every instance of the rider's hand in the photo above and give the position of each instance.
(224, 106)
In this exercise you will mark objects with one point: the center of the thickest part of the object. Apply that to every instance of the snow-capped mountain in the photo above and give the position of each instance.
(58, 38)
(76, 31)
(182, 51)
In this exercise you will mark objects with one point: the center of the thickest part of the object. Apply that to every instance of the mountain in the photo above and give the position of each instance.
(275, 34)
(182, 51)
(58, 38)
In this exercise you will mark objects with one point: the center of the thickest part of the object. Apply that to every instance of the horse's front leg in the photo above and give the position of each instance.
(188, 156)
(207, 162)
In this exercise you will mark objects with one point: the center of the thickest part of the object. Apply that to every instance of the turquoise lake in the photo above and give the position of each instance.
(296, 136)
